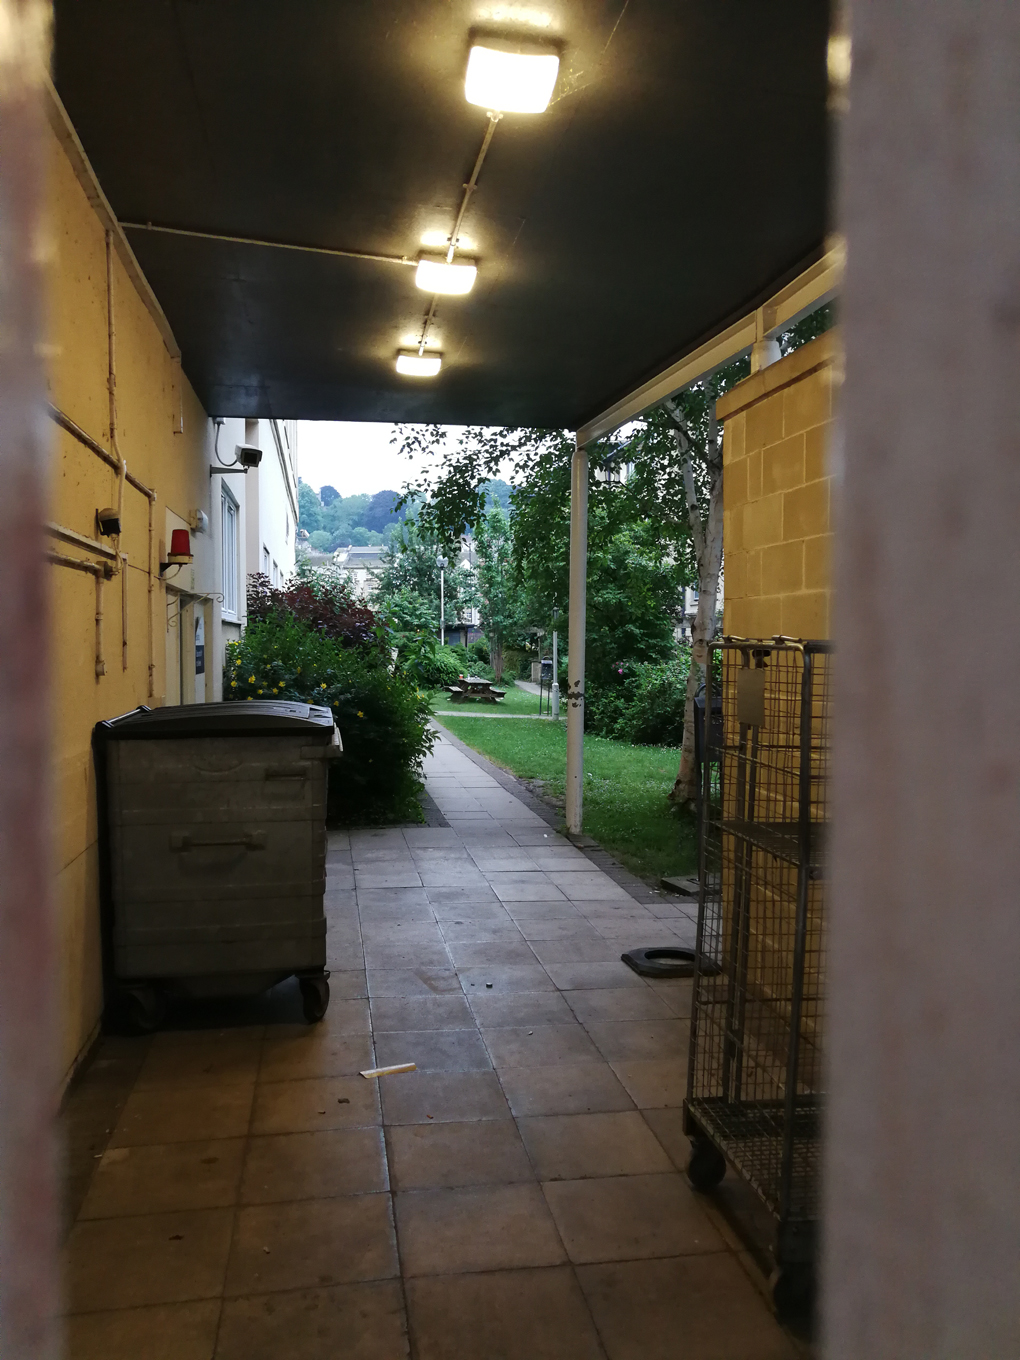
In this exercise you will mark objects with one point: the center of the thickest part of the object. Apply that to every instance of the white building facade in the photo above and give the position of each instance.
(253, 528)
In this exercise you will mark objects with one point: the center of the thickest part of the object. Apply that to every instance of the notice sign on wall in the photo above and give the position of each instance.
(200, 643)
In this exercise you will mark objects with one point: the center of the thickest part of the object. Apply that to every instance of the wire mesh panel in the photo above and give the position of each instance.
(755, 1076)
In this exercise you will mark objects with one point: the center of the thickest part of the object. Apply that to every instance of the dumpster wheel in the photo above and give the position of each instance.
(314, 996)
(143, 1008)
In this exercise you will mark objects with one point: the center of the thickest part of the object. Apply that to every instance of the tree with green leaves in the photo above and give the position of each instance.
(502, 602)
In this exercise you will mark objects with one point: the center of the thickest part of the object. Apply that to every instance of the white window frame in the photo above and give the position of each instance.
(265, 561)
(230, 542)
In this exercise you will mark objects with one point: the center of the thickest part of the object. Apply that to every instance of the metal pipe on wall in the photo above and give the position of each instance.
(575, 639)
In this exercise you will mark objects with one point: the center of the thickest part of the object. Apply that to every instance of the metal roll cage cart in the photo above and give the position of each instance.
(754, 1086)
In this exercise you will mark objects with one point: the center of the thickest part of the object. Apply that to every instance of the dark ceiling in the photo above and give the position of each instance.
(677, 178)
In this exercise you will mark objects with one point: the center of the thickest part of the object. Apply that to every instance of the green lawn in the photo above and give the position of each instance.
(625, 787)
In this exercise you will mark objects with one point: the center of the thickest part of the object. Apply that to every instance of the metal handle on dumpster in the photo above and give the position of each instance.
(184, 840)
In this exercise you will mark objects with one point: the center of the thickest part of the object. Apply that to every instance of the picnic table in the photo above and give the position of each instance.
(473, 687)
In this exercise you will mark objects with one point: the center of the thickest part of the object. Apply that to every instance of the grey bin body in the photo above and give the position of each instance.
(216, 818)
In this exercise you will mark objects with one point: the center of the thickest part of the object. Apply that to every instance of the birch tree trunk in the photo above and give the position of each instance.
(708, 547)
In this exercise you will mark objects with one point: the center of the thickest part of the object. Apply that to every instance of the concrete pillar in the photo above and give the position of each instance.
(575, 640)
(923, 1156)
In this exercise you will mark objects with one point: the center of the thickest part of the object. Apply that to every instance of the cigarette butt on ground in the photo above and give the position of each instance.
(390, 1071)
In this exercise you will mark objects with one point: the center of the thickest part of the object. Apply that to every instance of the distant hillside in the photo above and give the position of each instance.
(334, 521)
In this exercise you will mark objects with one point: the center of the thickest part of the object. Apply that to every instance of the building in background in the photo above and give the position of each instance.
(254, 519)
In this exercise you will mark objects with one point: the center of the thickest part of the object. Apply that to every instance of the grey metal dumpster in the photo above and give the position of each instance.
(215, 845)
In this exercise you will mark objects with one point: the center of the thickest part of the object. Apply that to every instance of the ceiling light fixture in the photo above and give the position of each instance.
(438, 274)
(510, 77)
(414, 364)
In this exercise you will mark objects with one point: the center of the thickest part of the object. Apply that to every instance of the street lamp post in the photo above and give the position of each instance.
(441, 563)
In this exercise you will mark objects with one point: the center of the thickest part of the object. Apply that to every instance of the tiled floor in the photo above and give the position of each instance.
(518, 1197)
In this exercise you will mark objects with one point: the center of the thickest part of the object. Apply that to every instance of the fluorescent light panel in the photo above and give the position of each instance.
(434, 275)
(510, 78)
(415, 365)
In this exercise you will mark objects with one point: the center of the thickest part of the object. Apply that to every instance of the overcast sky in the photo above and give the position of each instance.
(354, 457)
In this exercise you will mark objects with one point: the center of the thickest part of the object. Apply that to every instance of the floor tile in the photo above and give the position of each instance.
(433, 1050)
(425, 1012)
(573, 951)
(573, 1146)
(314, 1104)
(500, 1227)
(504, 860)
(347, 984)
(524, 913)
(372, 898)
(516, 1010)
(584, 976)
(675, 992)
(588, 887)
(352, 1321)
(668, 1127)
(401, 932)
(483, 1152)
(452, 895)
(293, 1166)
(506, 978)
(506, 1315)
(389, 877)
(643, 1308)
(315, 1054)
(406, 956)
(165, 1115)
(640, 1039)
(574, 929)
(479, 932)
(524, 887)
(490, 911)
(169, 1331)
(310, 1243)
(420, 1097)
(562, 857)
(412, 982)
(541, 1045)
(161, 1178)
(482, 954)
(146, 1258)
(626, 1217)
(617, 1003)
(222, 1064)
(462, 874)
(654, 1083)
(565, 1088)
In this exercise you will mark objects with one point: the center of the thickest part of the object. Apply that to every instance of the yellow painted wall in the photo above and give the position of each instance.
(777, 535)
(150, 394)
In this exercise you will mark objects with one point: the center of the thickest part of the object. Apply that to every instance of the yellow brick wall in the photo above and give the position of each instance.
(777, 536)
(174, 462)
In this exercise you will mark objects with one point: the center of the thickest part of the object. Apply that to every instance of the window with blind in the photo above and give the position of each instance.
(229, 542)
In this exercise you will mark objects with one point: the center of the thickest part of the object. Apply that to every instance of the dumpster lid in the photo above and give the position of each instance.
(230, 719)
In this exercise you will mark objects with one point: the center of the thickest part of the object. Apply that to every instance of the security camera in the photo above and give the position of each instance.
(109, 521)
(247, 455)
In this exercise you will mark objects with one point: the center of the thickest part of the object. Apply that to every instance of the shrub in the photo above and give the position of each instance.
(322, 601)
(479, 649)
(644, 705)
(382, 715)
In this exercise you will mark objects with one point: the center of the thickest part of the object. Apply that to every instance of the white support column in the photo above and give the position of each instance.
(575, 639)
(922, 1186)
(29, 959)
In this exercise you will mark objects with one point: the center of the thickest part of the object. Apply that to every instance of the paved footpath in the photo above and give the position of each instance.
(519, 1196)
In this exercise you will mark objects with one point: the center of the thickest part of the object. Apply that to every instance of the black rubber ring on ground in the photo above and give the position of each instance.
(661, 961)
